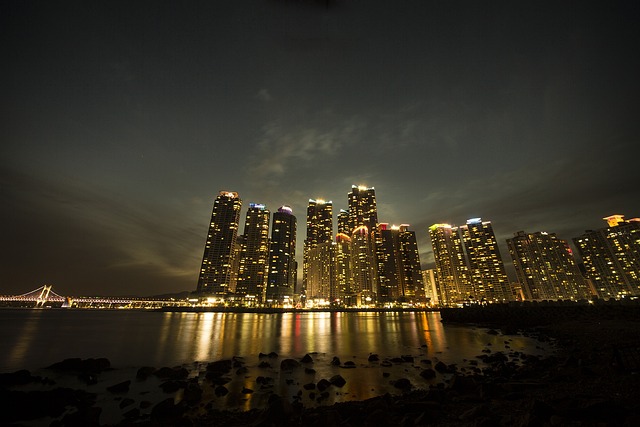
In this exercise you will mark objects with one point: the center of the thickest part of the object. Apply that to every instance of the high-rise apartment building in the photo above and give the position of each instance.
(611, 257)
(362, 208)
(343, 292)
(488, 276)
(254, 258)
(216, 271)
(452, 275)
(398, 264)
(343, 222)
(431, 292)
(545, 267)
(319, 233)
(282, 258)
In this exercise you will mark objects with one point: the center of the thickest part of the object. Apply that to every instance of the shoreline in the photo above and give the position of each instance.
(591, 380)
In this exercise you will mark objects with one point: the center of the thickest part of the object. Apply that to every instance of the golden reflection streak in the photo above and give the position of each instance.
(26, 336)
(203, 331)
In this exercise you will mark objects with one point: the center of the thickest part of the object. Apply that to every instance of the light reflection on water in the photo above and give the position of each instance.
(37, 338)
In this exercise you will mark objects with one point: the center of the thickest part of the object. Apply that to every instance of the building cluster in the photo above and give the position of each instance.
(368, 263)
(469, 267)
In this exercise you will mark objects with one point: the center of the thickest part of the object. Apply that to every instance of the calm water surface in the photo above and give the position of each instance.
(34, 339)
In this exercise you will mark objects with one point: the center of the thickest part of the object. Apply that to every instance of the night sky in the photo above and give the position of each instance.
(121, 121)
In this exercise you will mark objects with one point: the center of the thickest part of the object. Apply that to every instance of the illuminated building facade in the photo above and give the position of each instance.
(216, 271)
(343, 292)
(254, 258)
(545, 267)
(362, 208)
(451, 273)
(282, 258)
(343, 222)
(611, 257)
(363, 271)
(319, 233)
(398, 265)
(431, 293)
(488, 276)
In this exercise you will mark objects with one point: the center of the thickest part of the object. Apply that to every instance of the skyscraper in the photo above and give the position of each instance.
(216, 269)
(611, 257)
(362, 208)
(282, 257)
(398, 268)
(452, 273)
(343, 222)
(254, 259)
(488, 276)
(545, 267)
(319, 233)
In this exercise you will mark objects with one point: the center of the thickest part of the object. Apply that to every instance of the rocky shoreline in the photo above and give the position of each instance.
(592, 379)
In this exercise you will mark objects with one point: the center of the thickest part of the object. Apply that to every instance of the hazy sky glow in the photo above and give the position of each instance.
(121, 121)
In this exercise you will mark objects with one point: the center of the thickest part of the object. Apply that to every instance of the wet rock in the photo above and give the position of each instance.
(397, 360)
(88, 378)
(126, 402)
(386, 374)
(373, 357)
(426, 361)
(144, 373)
(349, 364)
(167, 412)
(220, 367)
(192, 392)
(386, 364)
(272, 355)
(402, 384)
(309, 386)
(428, 373)
(335, 361)
(84, 417)
(177, 373)
(246, 390)
(492, 332)
(442, 367)
(307, 359)
(221, 391)
(217, 380)
(309, 371)
(407, 358)
(337, 380)
(264, 380)
(264, 365)
(21, 377)
(289, 364)
(132, 414)
(172, 386)
(241, 371)
(122, 387)
(323, 385)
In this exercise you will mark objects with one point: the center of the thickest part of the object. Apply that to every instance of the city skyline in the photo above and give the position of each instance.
(122, 120)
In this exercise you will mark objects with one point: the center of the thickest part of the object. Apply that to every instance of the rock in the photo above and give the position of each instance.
(441, 367)
(264, 380)
(349, 364)
(192, 393)
(122, 387)
(264, 365)
(221, 391)
(337, 380)
(172, 386)
(246, 390)
(144, 372)
(273, 355)
(492, 332)
(167, 413)
(407, 358)
(177, 373)
(335, 361)
(84, 417)
(386, 364)
(20, 377)
(216, 379)
(463, 384)
(220, 367)
(323, 385)
(289, 364)
(309, 371)
(309, 386)
(241, 371)
(373, 358)
(307, 359)
(131, 414)
(402, 384)
(386, 374)
(428, 373)
(126, 402)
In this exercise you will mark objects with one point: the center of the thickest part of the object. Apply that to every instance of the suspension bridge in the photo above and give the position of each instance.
(45, 296)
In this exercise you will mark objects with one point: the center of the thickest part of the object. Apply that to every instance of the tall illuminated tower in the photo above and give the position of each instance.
(362, 208)
(282, 258)
(452, 272)
(400, 279)
(254, 259)
(343, 222)
(611, 256)
(319, 233)
(217, 261)
(545, 267)
(488, 276)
